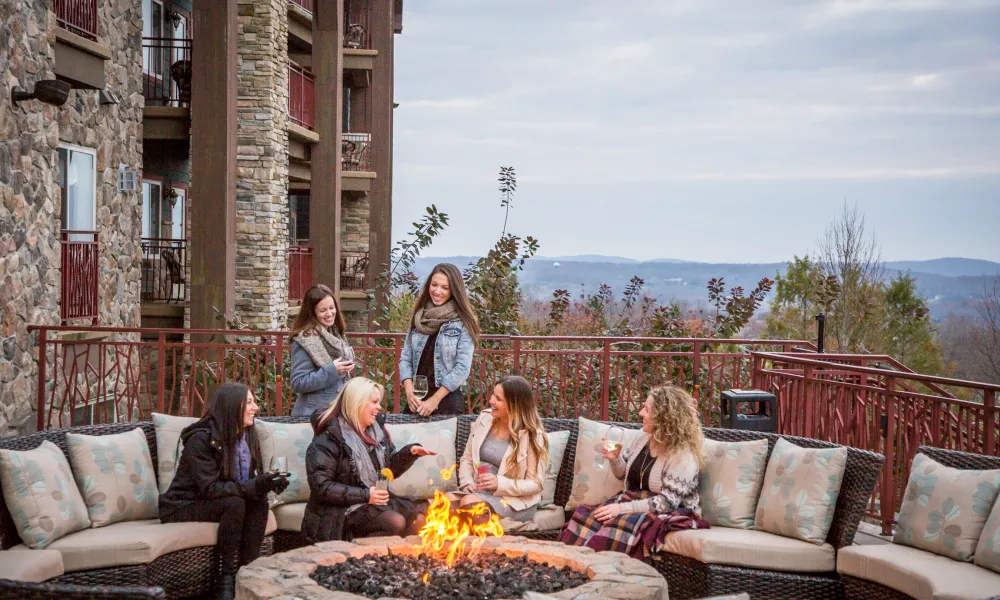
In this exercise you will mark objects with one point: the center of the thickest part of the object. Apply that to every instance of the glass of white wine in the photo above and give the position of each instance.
(420, 387)
(611, 442)
(279, 464)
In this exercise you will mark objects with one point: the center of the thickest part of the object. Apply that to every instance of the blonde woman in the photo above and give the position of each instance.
(349, 450)
(507, 453)
(660, 468)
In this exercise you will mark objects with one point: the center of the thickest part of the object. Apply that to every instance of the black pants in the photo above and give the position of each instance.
(400, 518)
(241, 527)
(452, 404)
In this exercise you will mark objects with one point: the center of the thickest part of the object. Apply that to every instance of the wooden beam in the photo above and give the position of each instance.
(380, 228)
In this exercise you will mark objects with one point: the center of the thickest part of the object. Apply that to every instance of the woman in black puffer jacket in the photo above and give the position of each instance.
(344, 461)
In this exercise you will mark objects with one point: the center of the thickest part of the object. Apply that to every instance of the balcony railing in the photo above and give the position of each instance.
(80, 274)
(301, 96)
(356, 25)
(353, 271)
(300, 271)
(163, 272)
(166, 68)
(308, 5)
(78, 16)
(355, 151)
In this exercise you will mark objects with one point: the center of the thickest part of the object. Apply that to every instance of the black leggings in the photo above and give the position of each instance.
(241, 527)
(371, 521)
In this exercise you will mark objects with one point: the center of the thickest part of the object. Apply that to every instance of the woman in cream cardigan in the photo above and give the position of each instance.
(507, 453)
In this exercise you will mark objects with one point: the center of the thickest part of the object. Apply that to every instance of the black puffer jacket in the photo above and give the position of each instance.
(199, 471)
(334, 483)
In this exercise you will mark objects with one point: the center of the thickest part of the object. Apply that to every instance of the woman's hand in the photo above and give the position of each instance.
(610, 454)
(377, 496)
(486, 481)
(608, 512)
(421, 451)
(428, 406)
(411, 400)
(343, 365)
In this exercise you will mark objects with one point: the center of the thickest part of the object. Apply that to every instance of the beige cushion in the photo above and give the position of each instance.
(944, 509)
(114, 473)
(916, 573)
(33, 566)
(420, 480)
(134, 542)
(557, 450)
(593, 481)
(168, 446)
(545, 519)
(291, 441)
(988, 550)
(289, 516)
(41, 495)
(729, 483)
(800, 491)
(751, 549)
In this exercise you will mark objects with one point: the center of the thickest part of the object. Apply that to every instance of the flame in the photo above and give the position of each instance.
(445, 532)
(447, 473)
(426, 577)
(388, 474)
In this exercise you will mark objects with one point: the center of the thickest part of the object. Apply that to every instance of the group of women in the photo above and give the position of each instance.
(220, 477)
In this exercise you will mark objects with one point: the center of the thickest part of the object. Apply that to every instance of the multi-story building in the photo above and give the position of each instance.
(213, 157)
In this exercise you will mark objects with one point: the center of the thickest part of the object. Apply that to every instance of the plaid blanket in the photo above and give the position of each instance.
(637, 534)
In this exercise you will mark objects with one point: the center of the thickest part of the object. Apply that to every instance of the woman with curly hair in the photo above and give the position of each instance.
(660, 468)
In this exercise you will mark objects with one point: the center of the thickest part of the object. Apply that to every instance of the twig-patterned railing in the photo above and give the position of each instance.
(845, 400)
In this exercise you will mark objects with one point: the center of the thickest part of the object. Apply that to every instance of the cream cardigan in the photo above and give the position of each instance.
(521, 491)
(673, 478)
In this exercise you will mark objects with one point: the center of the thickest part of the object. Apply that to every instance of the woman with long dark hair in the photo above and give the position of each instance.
(439, 344)
(322, 359)
(507, 453)
(349, 452)
(220, 480)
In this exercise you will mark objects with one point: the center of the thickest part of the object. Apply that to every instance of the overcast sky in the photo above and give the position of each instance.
(711, 130)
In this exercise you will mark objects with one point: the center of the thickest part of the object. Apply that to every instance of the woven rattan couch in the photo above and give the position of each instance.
(942, 576)
(183, 573)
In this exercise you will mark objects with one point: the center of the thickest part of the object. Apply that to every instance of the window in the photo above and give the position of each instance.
(152, 209)
(162, 214)
(152, 27)
(78, 182)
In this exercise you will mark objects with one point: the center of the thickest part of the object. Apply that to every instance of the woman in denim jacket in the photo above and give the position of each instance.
(439, 344)
(322, 360)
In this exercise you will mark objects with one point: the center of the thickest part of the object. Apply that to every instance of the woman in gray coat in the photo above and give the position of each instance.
(322, 360)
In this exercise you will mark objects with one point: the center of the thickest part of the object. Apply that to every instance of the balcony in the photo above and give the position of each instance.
(79, 277)
(306, 5)
(355, 151)
(166, 68)
(163, 272)
(301, 96)
(300, 271)
(356, 25)
(77, 16)
(353, 271)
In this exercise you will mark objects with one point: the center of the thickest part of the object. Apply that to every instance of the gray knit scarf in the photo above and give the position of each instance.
(429, 318)
(324, 348)
(359, 450)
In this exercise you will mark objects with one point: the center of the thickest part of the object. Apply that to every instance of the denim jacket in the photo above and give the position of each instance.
(452, 355)
(316, 387)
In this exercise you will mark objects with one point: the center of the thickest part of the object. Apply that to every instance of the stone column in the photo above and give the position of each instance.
(262, 164)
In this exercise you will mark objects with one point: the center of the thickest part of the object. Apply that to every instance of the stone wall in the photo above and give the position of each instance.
(354, 222)
(262, 164)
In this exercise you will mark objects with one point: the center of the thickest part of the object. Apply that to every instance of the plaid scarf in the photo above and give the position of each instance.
(637, 534)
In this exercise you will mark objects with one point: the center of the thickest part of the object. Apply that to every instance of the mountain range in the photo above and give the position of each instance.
(949, 284)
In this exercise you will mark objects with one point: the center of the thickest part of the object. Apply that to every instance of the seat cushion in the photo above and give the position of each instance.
(290, 440)
(289, 516)
(29, 565)
(545, 519)
(133, 543)
(751, 549)
(917, 573)
(420, 480)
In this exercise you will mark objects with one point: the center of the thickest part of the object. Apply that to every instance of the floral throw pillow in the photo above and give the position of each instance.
(944, 510)
(425, 476)
(40, 494)
(290, 440)
(557, 450)
(730, 481)
(988, 550)
(114, 473)
(168, 446)
(800, 491)
(593, 481)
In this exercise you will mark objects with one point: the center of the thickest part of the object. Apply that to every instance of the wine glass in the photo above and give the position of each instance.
(382, 483)
(611, 442)
(279, 464)
(420, 387)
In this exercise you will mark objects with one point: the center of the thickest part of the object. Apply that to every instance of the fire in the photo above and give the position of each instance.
(445, 532)
(447, 473)
(426, 577)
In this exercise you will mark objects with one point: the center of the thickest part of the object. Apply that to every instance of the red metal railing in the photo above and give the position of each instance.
(79, 275)
(847, 400)
(356, 32)
(301, 96)
(353, 271)
(78, 16)
(356, 151)
(163, 269)
(300, 271)
(166, 69)
(305, 4)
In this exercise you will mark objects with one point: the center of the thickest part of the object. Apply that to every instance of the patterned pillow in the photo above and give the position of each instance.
(593, 484)
(944, 509)
(420, 481)
(114, 473)
(557, 449)
(290, 440)
(800, 491)
(988, 550)
(168, 446)
(40, 494)
(730, 481)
